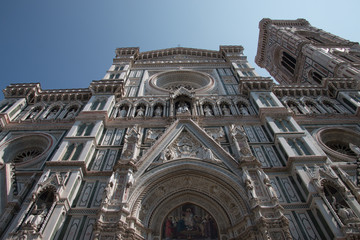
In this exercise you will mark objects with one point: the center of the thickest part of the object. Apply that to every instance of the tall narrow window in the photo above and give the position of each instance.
(288, 62)
(73, 151)
(102, 104)
(316, 77)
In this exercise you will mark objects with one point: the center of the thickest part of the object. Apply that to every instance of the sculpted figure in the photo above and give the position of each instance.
(140, 112)
(52, 113)
(158, 111)
(122, 112)
(37, 216)
(71, 113)
(207, 111)
(225, 110)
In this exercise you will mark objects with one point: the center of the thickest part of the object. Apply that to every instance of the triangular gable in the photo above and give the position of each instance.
(185, 139)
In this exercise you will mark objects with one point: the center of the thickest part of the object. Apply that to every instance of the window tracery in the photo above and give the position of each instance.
(27, 154)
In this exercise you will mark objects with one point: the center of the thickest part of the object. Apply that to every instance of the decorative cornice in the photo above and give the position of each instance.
(330, 88)
(248, 84)
(108, 87)
(33, 93)
(177, 51)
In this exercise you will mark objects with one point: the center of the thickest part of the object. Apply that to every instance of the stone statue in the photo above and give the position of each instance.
(183, 108)
(52, 114)
(225, 110)
(249, 185)
(158, 111)
(207, 111)
(122, 112)
(346, 214)
(33, 114)
(37, 217)
(140, 112)
(71, 113)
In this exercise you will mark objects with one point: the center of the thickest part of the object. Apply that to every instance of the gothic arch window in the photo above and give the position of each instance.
(288, 62)
(53, 112)
(312, 107)
(73, 151)
(330, 107)
(243, 108)
(294, 107)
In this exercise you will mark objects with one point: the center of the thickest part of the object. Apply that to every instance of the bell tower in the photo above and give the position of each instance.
(294, 52)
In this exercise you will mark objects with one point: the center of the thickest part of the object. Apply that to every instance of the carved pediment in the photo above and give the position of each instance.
(184, 139)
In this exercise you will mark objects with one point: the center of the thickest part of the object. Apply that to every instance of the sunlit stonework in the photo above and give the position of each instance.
(186, 143)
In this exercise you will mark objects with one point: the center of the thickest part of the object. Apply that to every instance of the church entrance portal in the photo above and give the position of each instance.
(189, 221)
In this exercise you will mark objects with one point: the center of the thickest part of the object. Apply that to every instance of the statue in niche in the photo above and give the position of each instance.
(122, 112)
(140, 112)
(183, 108)
(225, 110)
(243, 109)
(207, 111)
(130, 143)
(312, 108)
(34, 113)
(267, 183)
(52, 114)
(249, 185)
(71, 113)
(158, 111)
(330, 107)
(294, 108)
(345, 213)
(238, 135)
(36, 217)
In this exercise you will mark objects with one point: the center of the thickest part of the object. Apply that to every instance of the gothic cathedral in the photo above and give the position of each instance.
(186, 143)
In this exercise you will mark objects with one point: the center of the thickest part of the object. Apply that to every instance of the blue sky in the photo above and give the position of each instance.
(67, 44)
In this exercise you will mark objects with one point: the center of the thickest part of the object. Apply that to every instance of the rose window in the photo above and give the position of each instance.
(336, 142)
(27, 155)
(170, 81)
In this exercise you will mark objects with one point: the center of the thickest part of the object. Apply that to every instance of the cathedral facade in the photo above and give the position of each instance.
(186, 143)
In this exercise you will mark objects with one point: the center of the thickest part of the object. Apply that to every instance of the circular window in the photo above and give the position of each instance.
(172, 80)
(336, 142)
(27, 155)
(26, 150)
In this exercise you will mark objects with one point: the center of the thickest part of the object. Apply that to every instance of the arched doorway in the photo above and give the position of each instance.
(189, 221)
